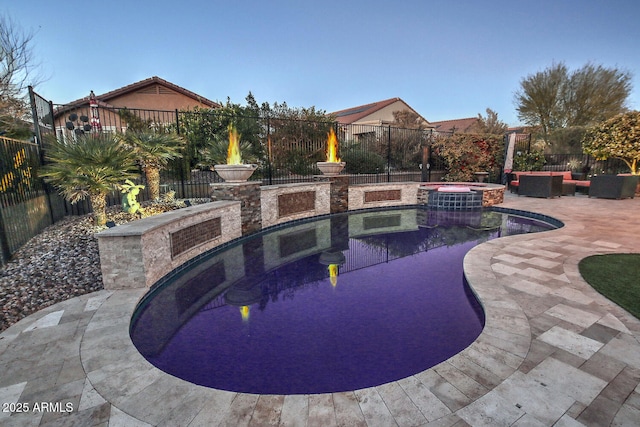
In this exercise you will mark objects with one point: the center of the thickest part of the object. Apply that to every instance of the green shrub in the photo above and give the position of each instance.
(302, 162)
(362, 161)
(532, 161)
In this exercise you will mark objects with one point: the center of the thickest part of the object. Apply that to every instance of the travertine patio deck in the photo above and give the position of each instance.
(553, 352)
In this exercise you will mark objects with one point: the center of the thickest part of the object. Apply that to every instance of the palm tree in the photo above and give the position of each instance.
(154, 151)
(91, 166)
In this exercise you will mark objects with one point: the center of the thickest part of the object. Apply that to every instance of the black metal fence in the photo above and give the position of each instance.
(25, 208)
(584, 164)
(286, 150)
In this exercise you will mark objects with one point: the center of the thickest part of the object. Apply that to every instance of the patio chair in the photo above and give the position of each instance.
(540, 186)
(613, 186)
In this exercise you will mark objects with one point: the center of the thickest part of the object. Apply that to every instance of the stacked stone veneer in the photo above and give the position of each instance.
(364, 196)
(288, 202)
(140, 253)
(339, 192)
(248, 194)
(492, 194)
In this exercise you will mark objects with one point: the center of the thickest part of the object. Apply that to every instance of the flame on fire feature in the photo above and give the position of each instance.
(244, 312)
(333, 274)
(332, 148)
(233, 152)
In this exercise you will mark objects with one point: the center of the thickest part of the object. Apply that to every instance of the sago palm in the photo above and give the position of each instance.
(154, 151)
(91, 166)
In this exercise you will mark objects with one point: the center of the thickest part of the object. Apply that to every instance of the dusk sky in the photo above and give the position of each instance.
(447, 59)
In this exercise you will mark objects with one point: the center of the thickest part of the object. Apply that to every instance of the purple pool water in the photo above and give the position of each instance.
(400, 304)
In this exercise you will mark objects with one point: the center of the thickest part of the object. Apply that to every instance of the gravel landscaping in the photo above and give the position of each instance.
(60, 263)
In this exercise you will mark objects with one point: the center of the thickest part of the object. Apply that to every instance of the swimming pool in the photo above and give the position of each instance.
(338, 303)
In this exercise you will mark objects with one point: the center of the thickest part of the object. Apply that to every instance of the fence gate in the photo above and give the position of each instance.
(42, 112)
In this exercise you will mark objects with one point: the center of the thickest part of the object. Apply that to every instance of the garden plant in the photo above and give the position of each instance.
(89, 167)
(618, 137)
(153, 151)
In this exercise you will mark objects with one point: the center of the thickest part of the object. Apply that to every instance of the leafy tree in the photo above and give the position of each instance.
(277, 132)
(299, 133)
(555, 98)
(206, 130)
(408, 119)
(595, 94)
(567, 140)
(91, 166)
(490, 124)
(407, 135)
(17, 71)
(529, 161)
(617, 137)
(154, 151)
(465, 154)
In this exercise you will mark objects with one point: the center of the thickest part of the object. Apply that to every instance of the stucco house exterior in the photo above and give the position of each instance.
(366, 119)
(157, 97)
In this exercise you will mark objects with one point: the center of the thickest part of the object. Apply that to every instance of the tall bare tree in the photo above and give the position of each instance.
(556, 98)
(539, 100)
(18, 70)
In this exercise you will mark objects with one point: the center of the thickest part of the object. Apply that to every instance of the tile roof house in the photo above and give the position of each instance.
(376, 113)
(367, 119)
(455, 126)
(153, 93)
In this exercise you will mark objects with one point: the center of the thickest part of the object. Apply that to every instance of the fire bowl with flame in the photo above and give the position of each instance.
(235, 173)
(333, 166)
(234, 170)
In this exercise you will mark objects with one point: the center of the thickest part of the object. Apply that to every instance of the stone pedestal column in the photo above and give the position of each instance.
(248, 194)
(339, 191)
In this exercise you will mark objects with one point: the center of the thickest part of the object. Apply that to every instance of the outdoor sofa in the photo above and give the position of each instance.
(569, 184)
(548, 186)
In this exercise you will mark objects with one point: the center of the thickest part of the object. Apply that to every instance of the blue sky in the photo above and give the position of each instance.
(447, 59)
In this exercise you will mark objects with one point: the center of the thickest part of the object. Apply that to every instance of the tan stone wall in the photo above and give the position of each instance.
(364, 196)
(270, 195)
(138, 254)
(493, 196)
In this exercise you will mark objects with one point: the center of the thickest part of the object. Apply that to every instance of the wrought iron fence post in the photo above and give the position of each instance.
(389, 153)
(425, 172)
(6, 251)
(269, 155)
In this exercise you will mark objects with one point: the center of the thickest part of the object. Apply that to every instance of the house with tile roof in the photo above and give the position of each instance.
(377, 113)
(366, 119)
(154, 94)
